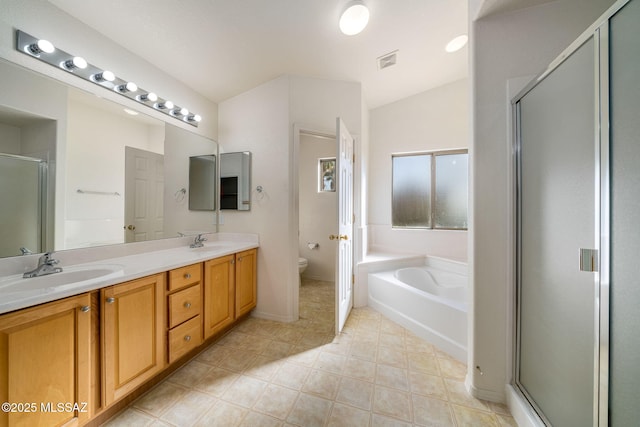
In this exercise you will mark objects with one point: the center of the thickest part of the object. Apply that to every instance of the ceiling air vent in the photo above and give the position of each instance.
(387, 60)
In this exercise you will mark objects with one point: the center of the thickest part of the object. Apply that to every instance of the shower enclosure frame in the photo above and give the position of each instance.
(599, 31)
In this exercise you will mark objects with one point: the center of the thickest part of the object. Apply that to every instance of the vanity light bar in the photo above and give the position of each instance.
(46, 52)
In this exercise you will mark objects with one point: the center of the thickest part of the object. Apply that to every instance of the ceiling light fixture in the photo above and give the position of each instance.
(457, 43)
(355, 18)
(44, 51)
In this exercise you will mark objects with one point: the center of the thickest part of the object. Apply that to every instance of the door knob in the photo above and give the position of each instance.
(338, 237)
(130, 227)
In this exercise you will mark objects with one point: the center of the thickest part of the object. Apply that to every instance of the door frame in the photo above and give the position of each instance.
(298, 129)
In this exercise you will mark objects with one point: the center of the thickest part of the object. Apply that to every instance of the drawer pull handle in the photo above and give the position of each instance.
(187, 275)
(111, 300)
(85, 309)
(187, 338)
(187, 305)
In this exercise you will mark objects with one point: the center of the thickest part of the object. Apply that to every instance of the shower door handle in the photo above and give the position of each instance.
(589, 260)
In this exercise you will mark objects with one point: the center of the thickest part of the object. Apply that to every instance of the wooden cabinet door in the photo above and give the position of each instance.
(133, 333)
(246, 282)
(219, 294)
(45, 362)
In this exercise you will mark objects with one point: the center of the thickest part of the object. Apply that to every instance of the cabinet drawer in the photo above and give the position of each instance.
(185, 276)
(183, 305)
(184, 338)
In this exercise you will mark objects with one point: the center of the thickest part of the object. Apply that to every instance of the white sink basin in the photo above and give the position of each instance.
(209, 247)
(69, 277)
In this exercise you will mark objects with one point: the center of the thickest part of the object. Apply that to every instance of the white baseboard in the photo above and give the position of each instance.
(520, 409)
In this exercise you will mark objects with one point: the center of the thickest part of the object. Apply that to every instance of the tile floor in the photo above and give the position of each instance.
(265, 373)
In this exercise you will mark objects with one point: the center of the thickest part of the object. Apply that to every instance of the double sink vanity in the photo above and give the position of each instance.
(77, 345)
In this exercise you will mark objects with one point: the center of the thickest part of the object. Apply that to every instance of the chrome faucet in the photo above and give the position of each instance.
(197, 242)
(45, 266)
(25, 251)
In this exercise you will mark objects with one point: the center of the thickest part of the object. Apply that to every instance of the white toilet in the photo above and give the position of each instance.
(302, 264)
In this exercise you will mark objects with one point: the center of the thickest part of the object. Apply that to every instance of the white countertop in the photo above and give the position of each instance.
(39, 290)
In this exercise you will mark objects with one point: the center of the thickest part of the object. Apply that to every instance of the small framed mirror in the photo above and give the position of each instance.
(202, 183)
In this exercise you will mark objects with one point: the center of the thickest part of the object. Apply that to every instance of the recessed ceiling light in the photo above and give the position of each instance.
(355, 18)
(457, 43)
(131, 112)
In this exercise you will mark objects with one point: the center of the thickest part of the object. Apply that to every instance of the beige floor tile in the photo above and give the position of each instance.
(158, 400)
(392, 357)
(223, 414)
(431, 412)
(347, 416)
(428, 385)
(238, 362)
(216, 382)
(130, 418)
(355, 393)
(186, 411)
(303, 356)
(276, 401)
(277, 350)
(423, 362)
(467, 417)
(215, 354)
(392, 377)
(255, 419)
(310, 411)
(330, 362)
(452, 368)
(360, 369)
(381, 421)
(506, 420)
(391, 340)
(160, 423)
(291, 375)
(245, 391)
(190, 374)
(364, 350)
(499, 408)
(390, 327)
(263, 368)
(394, 403)
(321, 383)
(459, 395)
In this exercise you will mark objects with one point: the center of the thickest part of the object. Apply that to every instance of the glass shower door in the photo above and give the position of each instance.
(21, 212)
(557, 196)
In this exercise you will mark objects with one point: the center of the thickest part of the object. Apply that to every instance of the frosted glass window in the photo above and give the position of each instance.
(411, 197)
(430, 190)
(451, 191)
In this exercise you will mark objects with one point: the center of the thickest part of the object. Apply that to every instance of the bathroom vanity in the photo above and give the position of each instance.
(86, 349)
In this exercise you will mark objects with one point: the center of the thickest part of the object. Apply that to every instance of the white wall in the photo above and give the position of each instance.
(432, 120)
(9, 139)
(504, 48)
(318, 211)
(262, 121)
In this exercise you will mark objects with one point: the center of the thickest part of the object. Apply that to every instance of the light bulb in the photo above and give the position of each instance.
(105, 76)
(129, 87)
(164, 105)
(41, 46)
(194, 118)
(76, 62)
(184, 111)
(354, 19)
(456, 44)
(149, 97)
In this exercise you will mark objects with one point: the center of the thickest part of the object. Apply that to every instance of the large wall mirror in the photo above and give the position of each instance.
(79, 171)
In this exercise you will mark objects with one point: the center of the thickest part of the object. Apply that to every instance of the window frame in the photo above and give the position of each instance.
(432, 213)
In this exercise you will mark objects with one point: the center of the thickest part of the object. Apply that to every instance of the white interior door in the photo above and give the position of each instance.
(144, 195)
(344, 264)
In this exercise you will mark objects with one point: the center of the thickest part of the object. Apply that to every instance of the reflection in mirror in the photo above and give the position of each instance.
(235, 181)
(110, 177)
(202, 183)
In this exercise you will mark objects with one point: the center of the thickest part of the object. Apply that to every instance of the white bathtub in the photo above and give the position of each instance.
(430, 301)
